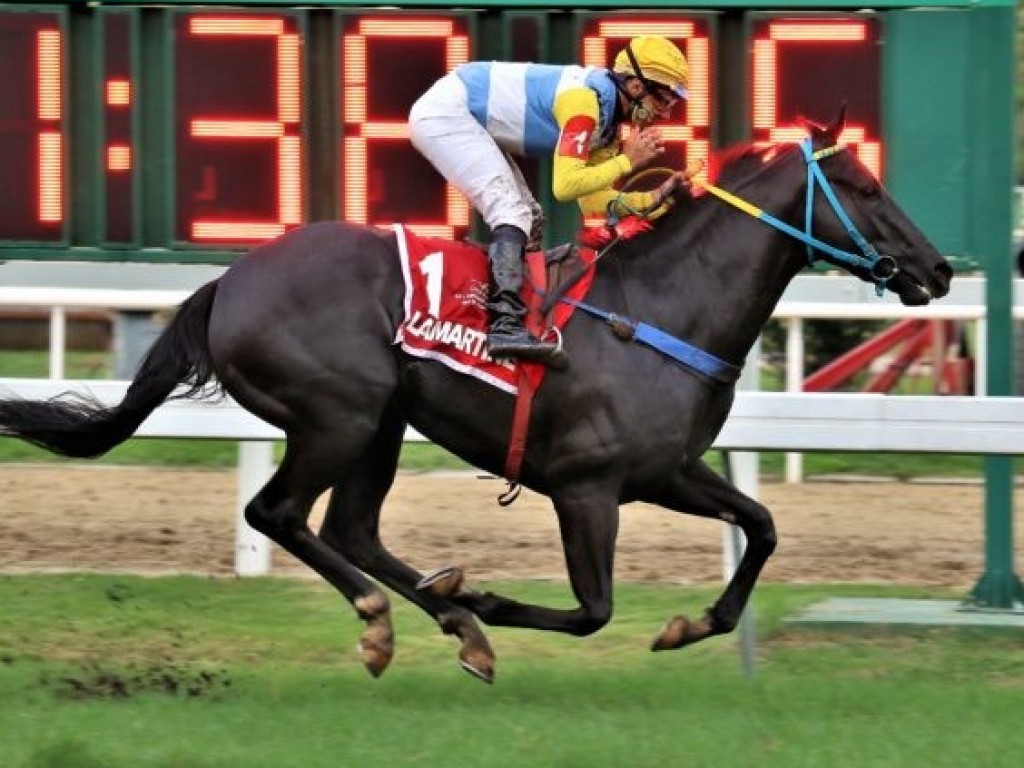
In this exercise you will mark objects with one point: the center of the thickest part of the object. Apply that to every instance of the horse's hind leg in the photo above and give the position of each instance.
(588, 516)
(281, 510)
(352, 527)
(700, 491)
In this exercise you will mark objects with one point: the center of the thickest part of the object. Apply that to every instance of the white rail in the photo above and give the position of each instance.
(760, 421)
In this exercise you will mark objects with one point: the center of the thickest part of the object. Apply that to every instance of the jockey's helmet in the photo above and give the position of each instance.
(655, 60)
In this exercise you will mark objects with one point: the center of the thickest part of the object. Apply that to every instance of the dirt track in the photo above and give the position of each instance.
(104, 518)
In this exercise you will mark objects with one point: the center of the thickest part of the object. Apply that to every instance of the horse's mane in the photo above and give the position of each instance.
(728, 167)
(740, 160)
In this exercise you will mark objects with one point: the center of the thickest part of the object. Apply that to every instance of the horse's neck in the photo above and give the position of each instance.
(718, 283)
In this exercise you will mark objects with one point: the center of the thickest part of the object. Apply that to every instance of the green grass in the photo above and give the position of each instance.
(419, 457)
(35, 364)
(425, 457)
(275, 682)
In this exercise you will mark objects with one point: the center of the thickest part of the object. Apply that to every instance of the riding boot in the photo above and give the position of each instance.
(508, 336)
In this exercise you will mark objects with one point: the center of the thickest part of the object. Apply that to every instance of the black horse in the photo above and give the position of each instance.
(301, 332)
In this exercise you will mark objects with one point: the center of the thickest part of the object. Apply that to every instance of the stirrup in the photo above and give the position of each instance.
(522, 347)
(528, 348)
(559, 359)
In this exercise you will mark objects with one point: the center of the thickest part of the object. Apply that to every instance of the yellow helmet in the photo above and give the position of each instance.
(655, 58)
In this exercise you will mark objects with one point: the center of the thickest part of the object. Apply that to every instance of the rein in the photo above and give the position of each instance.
(881, 268)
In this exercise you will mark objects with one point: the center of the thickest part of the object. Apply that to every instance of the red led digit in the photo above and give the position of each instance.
(51, 138)
(387, 62)
(239, 148)
(31, 127)
(804, 68)
(118, 106)
(687, 134)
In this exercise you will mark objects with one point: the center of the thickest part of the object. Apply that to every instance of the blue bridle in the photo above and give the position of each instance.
(881, 268)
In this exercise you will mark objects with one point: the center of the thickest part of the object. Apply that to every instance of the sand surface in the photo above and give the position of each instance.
(158, 520)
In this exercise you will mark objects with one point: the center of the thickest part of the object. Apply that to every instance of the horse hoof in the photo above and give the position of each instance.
(376, 658)
(671, 634)
(376, 647)
(444, 582)
(481, 667)
(679, 632)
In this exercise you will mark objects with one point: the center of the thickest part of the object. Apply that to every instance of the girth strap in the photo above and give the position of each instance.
(540, 273)
(520, 426)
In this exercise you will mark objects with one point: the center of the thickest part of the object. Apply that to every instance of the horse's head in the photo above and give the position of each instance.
(891, 250)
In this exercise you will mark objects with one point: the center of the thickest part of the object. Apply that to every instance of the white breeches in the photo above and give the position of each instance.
(444, 131)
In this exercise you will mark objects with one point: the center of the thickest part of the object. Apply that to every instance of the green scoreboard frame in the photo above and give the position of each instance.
(187, 132)
(221, 136)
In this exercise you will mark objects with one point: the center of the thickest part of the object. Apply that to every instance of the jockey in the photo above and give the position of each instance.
(471, 122)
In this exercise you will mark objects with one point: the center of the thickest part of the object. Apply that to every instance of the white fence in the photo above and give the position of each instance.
(760, 421)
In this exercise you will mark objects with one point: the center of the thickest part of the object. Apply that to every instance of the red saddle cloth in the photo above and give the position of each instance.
(446, 286)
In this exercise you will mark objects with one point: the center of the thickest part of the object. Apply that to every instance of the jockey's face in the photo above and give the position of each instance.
(650, 104)
(662, 99)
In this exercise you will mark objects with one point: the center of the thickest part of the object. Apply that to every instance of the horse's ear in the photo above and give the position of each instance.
(835, 128)
(817, 131)
(826, 135)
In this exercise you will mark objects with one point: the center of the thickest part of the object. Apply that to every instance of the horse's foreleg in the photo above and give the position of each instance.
(588, 517)
(367, 552)
(281, 510)
(352, 527)
(700, 491)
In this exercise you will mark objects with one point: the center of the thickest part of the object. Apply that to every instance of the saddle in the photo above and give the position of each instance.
(446, 298)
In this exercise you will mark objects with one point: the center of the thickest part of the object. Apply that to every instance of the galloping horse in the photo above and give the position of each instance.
(301, 331)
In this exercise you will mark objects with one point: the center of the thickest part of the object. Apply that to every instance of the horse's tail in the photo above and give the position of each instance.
(80, 426)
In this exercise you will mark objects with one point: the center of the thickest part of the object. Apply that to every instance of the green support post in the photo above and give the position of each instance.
(991, 135)
(950, 156)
